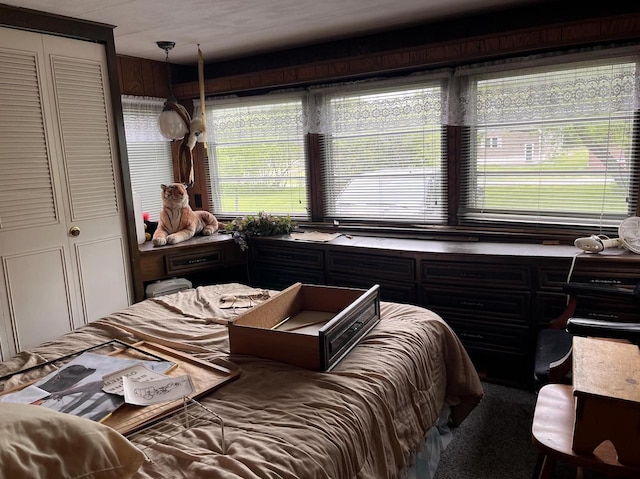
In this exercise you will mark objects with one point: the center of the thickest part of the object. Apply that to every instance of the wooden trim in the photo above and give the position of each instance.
(429, 54)
(314, 165)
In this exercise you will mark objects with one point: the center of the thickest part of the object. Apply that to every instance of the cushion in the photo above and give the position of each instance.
(39, 442)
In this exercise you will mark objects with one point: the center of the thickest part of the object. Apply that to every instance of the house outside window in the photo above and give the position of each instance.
(579, 119)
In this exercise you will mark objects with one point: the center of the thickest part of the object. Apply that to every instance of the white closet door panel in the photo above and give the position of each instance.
(88, 157)
(103, 281)
(37, 296)
(26, 189)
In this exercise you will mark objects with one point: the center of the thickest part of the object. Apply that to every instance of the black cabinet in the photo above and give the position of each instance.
(395, 274)
(488, 305)
(279, 266)
(495, 296)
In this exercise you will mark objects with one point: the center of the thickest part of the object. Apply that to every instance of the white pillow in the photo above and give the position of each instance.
(39, 442)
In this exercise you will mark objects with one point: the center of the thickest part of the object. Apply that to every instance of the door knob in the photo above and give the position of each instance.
(74, 231)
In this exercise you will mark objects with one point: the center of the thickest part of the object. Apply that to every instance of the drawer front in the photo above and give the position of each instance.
(549, 306)
(372, 266)
(554, 279)
(474, 275)
(479, 306)
(396, 292)
(287, 256)
(187, 263)
(280, 278)
(594, 308)
(512, 339)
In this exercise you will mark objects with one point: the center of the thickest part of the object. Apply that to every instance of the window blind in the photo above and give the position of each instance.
(553, 145)
(382, 150)
(149, 153)
(256, 149)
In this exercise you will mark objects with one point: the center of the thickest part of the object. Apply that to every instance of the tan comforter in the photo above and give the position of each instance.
(365, 419)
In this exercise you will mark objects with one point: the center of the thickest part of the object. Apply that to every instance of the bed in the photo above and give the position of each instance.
(375, 415)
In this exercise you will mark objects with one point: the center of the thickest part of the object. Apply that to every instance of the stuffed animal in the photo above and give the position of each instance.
(178, 222)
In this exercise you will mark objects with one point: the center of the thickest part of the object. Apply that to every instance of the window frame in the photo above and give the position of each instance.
(457, 150)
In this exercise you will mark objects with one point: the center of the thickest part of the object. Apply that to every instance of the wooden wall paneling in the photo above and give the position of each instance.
(437, 49)
(142, 77)
(132, 81)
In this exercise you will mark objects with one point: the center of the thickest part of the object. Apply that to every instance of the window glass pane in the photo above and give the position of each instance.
(554, 146)
(257, 157)
(149, 153)
(383, 156)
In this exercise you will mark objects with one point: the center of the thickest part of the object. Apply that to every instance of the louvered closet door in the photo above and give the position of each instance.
(50, 281)
(89, 164)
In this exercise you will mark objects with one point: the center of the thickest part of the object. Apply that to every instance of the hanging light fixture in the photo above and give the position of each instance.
(174, 120)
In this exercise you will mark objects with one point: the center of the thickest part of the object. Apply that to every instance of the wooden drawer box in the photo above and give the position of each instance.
(328, 321)
(475, 274)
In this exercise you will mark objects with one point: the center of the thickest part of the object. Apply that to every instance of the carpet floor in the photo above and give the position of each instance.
(494, 441)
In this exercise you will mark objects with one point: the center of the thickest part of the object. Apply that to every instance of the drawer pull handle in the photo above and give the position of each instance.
(471, 275)
(471, 335)
(198, 260)
(472, 304)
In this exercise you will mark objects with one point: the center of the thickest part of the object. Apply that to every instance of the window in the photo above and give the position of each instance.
(548, 143)
(383, 155)
(150, 163)
(566, 144)
(257, 156)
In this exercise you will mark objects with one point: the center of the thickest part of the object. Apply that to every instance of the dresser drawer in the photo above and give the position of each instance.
(372, 267)
(286, 256)
(512, 339)
(389, 291)
(555, 278)
(280, 278)
(479, 307)
(475, 274)
(191, 262)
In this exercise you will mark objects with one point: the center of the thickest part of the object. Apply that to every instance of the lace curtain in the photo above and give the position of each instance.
(539, 88)
(546, 87)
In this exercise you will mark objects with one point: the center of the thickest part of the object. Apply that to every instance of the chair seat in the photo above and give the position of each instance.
(552, 433)
(553, 345)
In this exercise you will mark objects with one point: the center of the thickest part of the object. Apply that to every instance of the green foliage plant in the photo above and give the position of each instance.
(262, 224)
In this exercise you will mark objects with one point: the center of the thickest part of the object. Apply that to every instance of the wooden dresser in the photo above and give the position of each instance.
(495, 296)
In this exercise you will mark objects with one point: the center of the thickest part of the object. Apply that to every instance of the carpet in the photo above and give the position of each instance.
(494, 441)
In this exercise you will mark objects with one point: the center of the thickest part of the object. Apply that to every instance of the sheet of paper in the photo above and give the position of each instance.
(138, 372)
(27, 395)
(316, 236)
(158, 391)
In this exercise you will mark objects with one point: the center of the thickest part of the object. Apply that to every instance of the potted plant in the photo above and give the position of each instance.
(262, 224)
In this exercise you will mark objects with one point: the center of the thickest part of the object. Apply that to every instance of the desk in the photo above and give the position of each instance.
(606, 384)
(580, 424)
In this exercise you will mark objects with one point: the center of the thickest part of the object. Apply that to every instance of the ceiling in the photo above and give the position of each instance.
(227, 29)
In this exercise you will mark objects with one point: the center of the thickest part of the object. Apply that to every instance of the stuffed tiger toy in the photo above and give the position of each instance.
(178, 222)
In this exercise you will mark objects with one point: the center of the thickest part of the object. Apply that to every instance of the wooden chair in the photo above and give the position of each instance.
(555, 413)
(552, 434)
